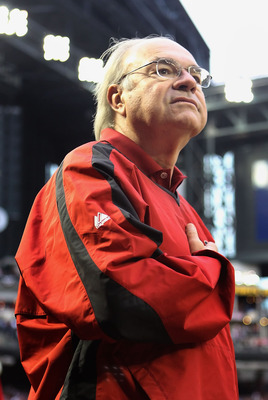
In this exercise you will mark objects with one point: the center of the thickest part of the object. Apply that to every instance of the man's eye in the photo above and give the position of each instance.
(196, 74)
(197, 77)
(165, 69)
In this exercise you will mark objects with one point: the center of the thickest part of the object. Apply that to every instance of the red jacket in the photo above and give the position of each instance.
(112, 304)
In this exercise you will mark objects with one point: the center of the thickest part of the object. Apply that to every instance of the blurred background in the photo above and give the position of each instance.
(49, 64)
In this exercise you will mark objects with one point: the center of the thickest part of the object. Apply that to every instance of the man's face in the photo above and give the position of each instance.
(163, 107)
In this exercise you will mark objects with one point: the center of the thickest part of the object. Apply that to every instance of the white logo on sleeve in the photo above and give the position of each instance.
(100, 219)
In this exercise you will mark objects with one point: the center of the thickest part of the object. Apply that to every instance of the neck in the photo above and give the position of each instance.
(164, 148)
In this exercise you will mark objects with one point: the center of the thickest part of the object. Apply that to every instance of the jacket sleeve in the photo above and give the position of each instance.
(92, 263)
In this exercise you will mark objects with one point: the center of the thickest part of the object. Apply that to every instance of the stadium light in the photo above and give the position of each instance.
(13, 22)
(56, 48)
(90, 69)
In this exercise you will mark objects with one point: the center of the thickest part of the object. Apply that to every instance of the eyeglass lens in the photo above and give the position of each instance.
(167, 69)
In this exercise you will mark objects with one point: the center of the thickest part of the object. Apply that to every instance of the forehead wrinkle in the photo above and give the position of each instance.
(176, 63)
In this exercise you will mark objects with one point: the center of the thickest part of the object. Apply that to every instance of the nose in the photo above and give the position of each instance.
(185, 81)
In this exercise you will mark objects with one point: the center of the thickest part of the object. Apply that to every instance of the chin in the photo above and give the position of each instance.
(195, 133)
(194, 123)
(189, 130)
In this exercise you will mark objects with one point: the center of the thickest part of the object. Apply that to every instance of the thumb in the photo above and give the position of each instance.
(195, 243)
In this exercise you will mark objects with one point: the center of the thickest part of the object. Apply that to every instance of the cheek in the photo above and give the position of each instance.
(203, 110)
(133, 104)
(145, 103)
(204, 115)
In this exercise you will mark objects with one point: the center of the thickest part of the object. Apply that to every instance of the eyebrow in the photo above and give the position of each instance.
(173, 61)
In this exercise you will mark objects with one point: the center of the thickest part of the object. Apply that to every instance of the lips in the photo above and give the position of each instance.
(182, 99)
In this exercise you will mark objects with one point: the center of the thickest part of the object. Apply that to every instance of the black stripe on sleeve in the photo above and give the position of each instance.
(81, 378)
(119, 313)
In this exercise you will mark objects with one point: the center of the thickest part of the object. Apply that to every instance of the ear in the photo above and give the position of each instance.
(115, 99)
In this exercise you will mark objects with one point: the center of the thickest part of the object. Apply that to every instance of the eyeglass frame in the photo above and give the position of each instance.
(178, 68)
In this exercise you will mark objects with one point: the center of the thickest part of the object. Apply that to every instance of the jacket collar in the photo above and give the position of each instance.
(143, 160)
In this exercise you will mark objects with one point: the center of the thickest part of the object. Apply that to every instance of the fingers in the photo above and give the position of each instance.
(211, 246)
(195, 243)
(191, 231)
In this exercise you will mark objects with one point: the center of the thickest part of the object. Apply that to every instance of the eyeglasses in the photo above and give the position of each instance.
(168, 70)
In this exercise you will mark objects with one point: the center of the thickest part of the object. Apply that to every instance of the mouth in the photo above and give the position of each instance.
(184, 100)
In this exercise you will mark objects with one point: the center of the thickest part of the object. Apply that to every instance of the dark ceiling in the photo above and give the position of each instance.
(89, 24)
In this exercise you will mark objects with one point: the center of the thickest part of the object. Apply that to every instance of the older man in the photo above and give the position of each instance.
(123, 293)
